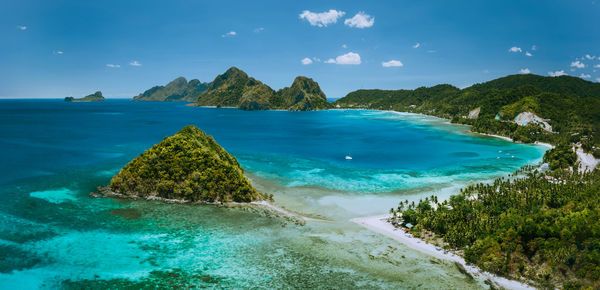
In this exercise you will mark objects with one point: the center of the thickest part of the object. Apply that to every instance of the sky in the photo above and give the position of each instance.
(54, 49)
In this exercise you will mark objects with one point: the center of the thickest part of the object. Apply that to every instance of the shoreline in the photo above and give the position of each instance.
(103, 192)
(379, 225)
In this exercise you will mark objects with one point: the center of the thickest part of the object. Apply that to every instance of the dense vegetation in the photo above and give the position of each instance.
(235, 88)
(95, 97)
(569, 104)
(177, 90)
(561, 156)
(545, 227)
(189, 165)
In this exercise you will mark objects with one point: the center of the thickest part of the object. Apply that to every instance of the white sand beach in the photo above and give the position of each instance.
(380, 225)
(498, 136)
(549, 146)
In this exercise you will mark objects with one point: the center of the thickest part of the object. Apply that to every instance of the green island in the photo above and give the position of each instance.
(178, 89)
(188, 166)
(235, 88)
(95, 97)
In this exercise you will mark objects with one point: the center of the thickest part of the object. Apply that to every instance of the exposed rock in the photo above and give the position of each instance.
(526, 118)
(474, 114)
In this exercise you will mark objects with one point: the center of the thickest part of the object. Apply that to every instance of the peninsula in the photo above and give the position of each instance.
(527, 108)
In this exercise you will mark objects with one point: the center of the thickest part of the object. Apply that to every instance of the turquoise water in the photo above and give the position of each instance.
(53, 235)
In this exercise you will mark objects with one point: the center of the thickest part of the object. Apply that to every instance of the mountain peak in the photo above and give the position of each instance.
(180, 81)
(235, 73)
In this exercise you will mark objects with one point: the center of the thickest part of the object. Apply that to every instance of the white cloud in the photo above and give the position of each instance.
(557, 73)
(321, 19)
(597, 66)
(113, 65)
(416, 45)
(258, 30)
(584, 76)
(344, 46)
(392, 63)
(135, 63)
(590, 57)
(360, 20)
(524, 71)
(577, 64)
(230, 33)
(527, 53)
(348, 58)
(306, 61)
(21, 27)
(533, 47)
(515, 49)
(598, 80)
(58, 52)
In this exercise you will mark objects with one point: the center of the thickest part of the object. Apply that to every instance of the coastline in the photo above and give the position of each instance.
(379, 225)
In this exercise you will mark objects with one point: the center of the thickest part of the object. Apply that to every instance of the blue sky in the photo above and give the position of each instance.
(54, 49)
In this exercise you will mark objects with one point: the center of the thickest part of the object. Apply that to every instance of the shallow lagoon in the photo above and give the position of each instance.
(52, 234)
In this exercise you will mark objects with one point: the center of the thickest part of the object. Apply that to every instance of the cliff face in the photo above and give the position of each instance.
(95, 97)
(188, 166)
(235, 88)
(178, 89)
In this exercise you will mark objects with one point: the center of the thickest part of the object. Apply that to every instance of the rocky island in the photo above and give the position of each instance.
(235, 88)
(188, 166)
(95, 97)
(178, 89)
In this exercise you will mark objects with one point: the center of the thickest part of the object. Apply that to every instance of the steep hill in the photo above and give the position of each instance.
(177, 90)
(235, 88)
(187, 166)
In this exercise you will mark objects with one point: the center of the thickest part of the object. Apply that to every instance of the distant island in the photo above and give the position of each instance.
(177, 90)
(188, 166)
(95, 97)
(235, 88)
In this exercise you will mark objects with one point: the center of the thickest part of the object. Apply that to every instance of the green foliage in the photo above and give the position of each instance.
(561, 156)
(543, 227)
(571, 106)
(95, 97)
(235, 88)
(177, 90)
(190, 166)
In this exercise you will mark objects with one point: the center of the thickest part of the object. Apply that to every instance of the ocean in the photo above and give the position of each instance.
(53, 235)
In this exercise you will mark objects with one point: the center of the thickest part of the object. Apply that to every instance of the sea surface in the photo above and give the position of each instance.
(53, 235)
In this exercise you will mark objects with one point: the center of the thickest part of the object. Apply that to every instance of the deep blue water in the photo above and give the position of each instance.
(53, 153)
